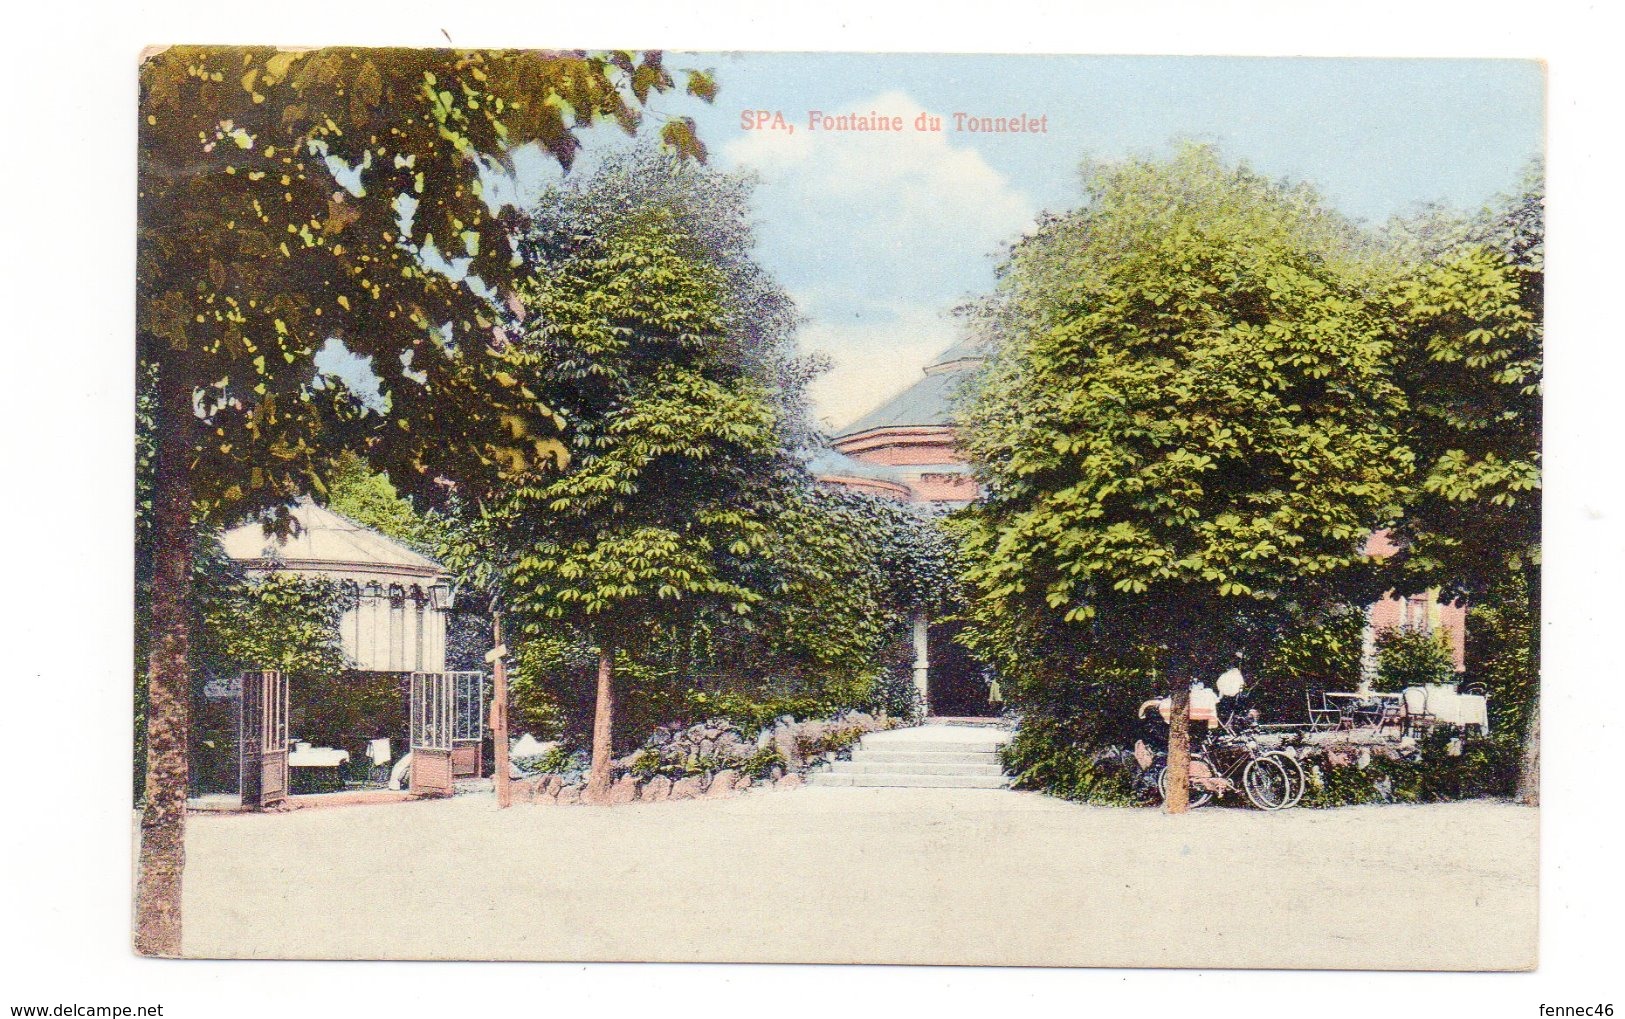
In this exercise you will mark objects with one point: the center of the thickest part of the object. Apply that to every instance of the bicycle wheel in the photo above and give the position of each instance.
(1266, 783)
(1199, 795)
(1297, 781)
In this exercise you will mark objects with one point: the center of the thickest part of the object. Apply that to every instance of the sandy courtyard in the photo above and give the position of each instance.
(871, 875)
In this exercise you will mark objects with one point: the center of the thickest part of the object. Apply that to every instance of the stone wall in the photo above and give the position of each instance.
(552, 790)
(712, 760)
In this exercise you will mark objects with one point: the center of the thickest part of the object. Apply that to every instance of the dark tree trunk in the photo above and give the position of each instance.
(603, 730)
(163, 821)
(1179, 751)
(1529, 763)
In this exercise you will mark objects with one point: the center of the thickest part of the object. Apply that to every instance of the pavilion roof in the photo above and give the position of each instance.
(323, 539)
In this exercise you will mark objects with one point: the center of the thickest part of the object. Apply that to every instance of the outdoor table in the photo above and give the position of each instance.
(309, 759)
(1449, 707)
(1363, 708)
(303, 755)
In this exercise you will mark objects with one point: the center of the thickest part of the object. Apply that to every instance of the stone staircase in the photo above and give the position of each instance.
(924, 757)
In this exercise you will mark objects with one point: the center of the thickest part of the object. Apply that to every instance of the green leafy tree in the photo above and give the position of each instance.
(1188, 432)
(280, 621)
(1470, 304)
(368, 497)
(671, 436)
(296, 203)
(821, 622)
(1471, 315)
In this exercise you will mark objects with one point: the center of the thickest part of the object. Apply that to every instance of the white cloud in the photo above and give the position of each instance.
(879, 235)
(872, 361)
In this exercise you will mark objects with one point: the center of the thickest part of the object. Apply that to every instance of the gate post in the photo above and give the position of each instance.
(262, 756)
(431, 773)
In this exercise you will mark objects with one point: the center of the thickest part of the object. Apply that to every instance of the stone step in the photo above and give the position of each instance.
(907, 781)
(925, 757)
(929, 747)
(867, 767)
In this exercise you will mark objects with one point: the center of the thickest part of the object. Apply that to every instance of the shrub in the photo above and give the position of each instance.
(896, 696)
(1407, 657)
(1044, 755)
(761, 763)
(833, 740)
(1426, 773)
(750, 714)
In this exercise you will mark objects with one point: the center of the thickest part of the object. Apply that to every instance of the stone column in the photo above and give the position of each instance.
(1368, 655)
(922, 660)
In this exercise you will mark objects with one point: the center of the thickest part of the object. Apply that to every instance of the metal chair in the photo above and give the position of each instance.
(1323, 718)
(1390, 712)
(1417, 715)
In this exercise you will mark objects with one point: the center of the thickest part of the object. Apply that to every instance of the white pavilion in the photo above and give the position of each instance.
(395, 619)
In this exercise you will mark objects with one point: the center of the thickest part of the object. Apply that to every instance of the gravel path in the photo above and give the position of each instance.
(871, 875)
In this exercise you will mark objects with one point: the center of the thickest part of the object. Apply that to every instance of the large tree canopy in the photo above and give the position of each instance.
(669, 437)
(1190, 426)
(1470, 303)
(1470, 307)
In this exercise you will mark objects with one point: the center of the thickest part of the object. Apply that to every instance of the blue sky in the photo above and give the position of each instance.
(879, 236)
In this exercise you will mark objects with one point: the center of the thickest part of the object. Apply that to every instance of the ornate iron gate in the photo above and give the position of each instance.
(431, 703)
(467, 723)
(263, 739)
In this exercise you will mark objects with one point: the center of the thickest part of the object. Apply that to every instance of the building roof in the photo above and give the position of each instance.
(930, 400)
(324, 540)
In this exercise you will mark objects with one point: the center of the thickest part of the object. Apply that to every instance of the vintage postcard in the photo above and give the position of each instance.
(837, 507)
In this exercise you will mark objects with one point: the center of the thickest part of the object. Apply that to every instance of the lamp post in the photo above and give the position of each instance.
(499, 710)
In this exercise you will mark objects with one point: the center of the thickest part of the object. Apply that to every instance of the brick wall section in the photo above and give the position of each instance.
(1425, 610)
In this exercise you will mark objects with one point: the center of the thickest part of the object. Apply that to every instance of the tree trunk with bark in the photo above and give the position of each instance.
(603, 730)
(1179, 751)
(163, 820)
(499, 715)
(1529, 765)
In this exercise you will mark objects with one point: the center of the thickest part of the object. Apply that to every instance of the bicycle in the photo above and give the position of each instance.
(1265, 780)
(1238, 727)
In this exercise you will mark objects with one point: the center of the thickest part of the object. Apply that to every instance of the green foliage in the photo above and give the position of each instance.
(685, 533)
(668, 438)
(835, 738)
(1503, 654)
(1208, 390)
(752, 713)
(895, 695)
(556, 760)
(1431, 774)
(1052, 756)
(1408, 657)
(358, 492)
(271, 220)
(347, 709)
(281, 621)
(761, 763)
(1319, 653)
(1188, 430)
(1470, 308)
(829, 741)
(547, 677)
